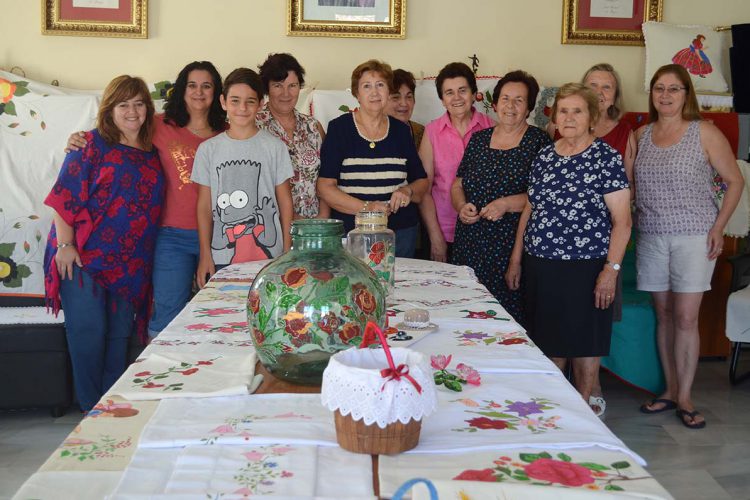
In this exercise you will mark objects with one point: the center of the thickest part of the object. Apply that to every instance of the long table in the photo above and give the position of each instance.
(181, 424)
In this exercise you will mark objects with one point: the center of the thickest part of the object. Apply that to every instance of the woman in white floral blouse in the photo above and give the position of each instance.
(283, 78)
(573, 234)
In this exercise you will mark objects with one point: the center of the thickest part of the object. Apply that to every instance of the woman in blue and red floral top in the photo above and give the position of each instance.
(107, 202)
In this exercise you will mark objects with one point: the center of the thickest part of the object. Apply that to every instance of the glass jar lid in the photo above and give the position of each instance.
(374, 217)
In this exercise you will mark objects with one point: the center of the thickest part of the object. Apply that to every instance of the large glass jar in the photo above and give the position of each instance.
(311, 302)
(374, 244)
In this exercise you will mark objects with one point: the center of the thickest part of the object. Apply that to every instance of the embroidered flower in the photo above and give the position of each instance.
(481, 314)
(205, 363)
(469, 402)
(476, 475)
(7, 89)
(190, 371)
(487, 423)
(295, 277)
(151, 385)
(143, 374)
(524, 409)
(469, 374)
(557, 471)
(254, 456)
(440, 361)
(253, 301)
(513, 341)
(377, 252)
(474, 335)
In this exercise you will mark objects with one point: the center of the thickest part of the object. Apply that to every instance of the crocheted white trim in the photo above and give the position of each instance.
(36, 315)
(352, 385)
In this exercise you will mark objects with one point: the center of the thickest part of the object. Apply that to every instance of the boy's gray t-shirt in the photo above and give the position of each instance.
(243, 175)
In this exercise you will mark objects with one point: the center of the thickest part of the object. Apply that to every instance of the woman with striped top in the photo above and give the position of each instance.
(368, 160)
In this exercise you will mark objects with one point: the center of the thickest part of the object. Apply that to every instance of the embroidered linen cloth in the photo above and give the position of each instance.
(577, 471)
(187, 375)
(106, 438)
(509, 411)
(499, 347)
(29, 316)
(57, 485)
(271, 471)
(259, 418)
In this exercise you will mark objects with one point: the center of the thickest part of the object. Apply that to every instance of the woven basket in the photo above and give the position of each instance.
(358, 437)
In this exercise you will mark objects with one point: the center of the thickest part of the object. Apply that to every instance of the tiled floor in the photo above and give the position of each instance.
(713, 463)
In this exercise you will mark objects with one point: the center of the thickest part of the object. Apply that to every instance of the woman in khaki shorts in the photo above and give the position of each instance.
(680, 228)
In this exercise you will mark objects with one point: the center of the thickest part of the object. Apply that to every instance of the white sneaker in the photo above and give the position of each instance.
(598, 405)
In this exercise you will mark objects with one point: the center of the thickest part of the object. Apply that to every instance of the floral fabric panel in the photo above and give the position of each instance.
(512, 411)
(304, 150)
(261, 418)
(187, 375)
(569, 218)
(291, 471)
(500, 347)
(96, 443)
(579, 469)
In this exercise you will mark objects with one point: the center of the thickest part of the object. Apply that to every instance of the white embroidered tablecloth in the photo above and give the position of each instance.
(577, 472)
(486, 346)
(186, 375)
(277, 470)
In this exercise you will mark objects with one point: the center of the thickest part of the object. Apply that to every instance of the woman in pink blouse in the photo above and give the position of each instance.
(442, 148)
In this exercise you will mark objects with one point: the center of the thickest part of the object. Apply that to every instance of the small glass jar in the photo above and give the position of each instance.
(311, 302)
(374, 244)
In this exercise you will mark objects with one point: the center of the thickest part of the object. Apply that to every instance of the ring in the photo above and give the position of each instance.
(403, 203)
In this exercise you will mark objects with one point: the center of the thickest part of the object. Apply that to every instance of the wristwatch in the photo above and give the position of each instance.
(614, 265)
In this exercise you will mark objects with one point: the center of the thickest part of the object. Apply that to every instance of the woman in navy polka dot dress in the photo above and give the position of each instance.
(490, 187)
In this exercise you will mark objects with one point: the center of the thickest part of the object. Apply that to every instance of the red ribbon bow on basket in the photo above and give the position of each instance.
(394, 372)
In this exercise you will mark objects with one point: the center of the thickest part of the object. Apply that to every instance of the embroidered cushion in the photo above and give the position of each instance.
(699, 48)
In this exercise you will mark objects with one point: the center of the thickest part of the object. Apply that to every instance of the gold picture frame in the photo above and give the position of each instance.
(109, 18)
(582, 25)
(347, 18)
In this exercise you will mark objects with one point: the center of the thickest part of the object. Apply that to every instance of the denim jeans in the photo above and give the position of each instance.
(175, 261)
(98, 324)
(406, 241)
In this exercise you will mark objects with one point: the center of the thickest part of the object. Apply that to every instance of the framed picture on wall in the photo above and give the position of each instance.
(607, 22)
(347, 18)
(115, 18)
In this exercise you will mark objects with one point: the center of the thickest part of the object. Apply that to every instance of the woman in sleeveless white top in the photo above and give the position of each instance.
(677, 153)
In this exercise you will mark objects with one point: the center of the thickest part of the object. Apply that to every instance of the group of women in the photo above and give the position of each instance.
(543, 217)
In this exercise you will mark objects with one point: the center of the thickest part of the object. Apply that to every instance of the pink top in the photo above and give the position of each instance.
(447, 151)
(176, 146)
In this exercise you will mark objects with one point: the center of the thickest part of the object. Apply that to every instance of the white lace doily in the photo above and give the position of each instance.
(352, 385)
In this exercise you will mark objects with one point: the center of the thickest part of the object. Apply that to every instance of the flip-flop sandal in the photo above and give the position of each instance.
(668, 405)
(597, 402)
(690, 424)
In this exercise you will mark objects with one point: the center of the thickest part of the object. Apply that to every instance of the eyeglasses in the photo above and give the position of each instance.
(669, 90)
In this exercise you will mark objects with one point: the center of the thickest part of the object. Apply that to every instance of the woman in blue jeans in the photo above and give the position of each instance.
(192, 114)
(107, 202)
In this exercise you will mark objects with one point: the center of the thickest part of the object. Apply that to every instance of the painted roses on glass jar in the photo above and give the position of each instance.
(311, 302)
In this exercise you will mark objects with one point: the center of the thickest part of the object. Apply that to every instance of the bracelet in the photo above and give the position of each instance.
(63, 245)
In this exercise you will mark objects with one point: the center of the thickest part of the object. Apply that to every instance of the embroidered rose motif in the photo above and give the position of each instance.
(487, 423)
(295, 277)
(349, 332)
(469, 374)
(557, 471)
(190, 371)
(377, 252)
(513, 341)
(7, 89)
(480, 315)
(364, 299)
(476, 475)
(151, 385)
(440, 361)
(253, 301)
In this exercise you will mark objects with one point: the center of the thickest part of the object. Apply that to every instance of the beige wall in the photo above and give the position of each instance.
(505, 34)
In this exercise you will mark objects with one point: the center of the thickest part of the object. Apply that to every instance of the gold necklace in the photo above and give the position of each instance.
(368, 137)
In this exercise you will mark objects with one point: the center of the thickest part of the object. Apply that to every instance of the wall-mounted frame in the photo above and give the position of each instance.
(113, 18)
(607, 22)
(347, 18)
